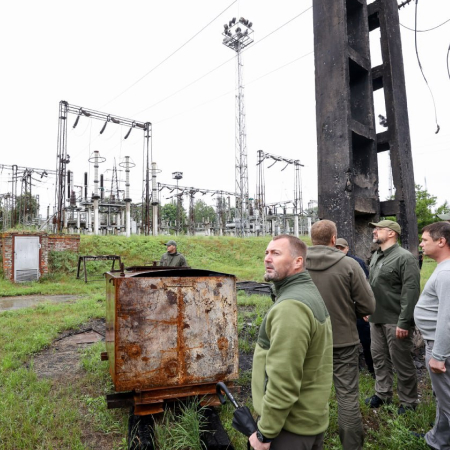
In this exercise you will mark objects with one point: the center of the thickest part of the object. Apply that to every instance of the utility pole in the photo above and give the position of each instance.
(347, 140)
(178, 176)
(237, 36)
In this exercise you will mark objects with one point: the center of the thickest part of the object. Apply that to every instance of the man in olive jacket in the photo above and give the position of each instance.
(172, 257)
(292, 363)
(347, 295)
(395, 280)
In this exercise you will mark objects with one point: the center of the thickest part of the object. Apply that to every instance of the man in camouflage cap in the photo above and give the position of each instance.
(395, 281)
(172, 257)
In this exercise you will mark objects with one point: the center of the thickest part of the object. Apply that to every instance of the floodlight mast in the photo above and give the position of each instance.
(237, 36)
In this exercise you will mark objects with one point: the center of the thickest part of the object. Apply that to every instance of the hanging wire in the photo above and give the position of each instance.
(420, 66)
(448, 53)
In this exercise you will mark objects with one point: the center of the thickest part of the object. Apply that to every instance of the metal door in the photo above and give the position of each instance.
(26, 258)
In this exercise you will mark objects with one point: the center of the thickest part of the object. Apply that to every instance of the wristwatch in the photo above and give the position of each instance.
(262, 438)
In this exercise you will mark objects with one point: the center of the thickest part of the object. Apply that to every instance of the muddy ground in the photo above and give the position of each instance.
(61, 363)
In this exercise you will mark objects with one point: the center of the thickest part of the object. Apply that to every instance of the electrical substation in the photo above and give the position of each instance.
(90, 203)
(347, 146)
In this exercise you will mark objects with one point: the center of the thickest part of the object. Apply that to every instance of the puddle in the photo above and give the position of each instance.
(26, 301)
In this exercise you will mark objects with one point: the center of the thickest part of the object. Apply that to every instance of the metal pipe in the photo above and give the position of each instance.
(154, 200)
(128, 219)
(96, 225)
(296, 225)
(127, 178)
(96, 155)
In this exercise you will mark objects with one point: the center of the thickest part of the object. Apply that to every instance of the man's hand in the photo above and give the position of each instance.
(366, 318)
(437, 366)
(400, 333)
(256, 444)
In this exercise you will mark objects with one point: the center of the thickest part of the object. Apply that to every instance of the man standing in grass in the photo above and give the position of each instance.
(292, 363)
(172, 257)
(395, 280)
(347, 295)
(432, 316)
(362, 323)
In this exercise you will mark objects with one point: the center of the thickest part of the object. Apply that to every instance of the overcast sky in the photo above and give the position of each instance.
(164, 62)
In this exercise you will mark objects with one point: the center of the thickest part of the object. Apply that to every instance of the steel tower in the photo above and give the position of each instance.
(237, 36)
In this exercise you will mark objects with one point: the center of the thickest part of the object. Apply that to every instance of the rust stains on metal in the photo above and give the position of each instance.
(172, 297)
(170, 331)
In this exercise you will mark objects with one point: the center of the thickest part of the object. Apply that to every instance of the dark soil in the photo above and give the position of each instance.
(60, 362)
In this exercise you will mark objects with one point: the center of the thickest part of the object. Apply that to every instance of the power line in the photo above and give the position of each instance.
(424, 31)
(420, 66)
(229, 92)
(219, 66)
(168, 57)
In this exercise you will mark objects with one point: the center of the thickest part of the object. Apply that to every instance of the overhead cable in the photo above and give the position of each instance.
(448, 69)
(229, 92)
(219, 66)
(420, 66)
(424, 31)
(168, 57)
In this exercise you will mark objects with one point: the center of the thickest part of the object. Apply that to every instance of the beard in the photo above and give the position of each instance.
(273, 276)
(378, 241)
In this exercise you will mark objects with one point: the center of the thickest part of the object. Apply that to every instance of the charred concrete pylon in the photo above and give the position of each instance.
(346, 137)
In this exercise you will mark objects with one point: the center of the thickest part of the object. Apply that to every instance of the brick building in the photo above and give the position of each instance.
(25, 253)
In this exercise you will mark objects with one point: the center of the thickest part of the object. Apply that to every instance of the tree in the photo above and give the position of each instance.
(26, 209)
(203, 212)
(425, 203)
(169, 213)
(444, 208)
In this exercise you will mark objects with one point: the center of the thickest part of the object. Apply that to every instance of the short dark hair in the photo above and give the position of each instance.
(438, 230)
(297, 246)
(322, 232)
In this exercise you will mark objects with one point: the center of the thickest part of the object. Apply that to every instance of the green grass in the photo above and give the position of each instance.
(181, 430)
(41, 414)
(36, 413)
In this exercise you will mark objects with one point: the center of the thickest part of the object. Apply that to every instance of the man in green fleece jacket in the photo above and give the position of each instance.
(292, 363)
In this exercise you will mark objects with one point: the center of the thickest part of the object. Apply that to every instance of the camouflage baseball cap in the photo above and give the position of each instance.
(394, 226)
(341, 242)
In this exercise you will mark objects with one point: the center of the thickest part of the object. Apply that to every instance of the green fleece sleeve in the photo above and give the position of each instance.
(410, 276)
(289, 327)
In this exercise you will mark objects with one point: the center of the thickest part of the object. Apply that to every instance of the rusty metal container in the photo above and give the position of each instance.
(170, 328)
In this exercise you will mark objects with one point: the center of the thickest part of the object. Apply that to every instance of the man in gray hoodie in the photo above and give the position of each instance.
(347, 295)
(432, 317)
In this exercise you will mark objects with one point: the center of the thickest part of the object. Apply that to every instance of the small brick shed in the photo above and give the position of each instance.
(47, 243)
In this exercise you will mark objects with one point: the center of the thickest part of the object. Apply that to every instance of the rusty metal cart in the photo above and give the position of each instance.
(171, 333)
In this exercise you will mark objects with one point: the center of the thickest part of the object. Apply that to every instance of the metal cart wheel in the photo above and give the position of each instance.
(140, 432)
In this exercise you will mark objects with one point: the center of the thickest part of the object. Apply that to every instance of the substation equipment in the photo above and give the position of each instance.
(282, 217)
(347, 140)
(86, 213)
(171, 333)
(23, 208)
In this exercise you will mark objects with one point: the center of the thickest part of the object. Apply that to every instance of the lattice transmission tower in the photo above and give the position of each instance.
(237, 36)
